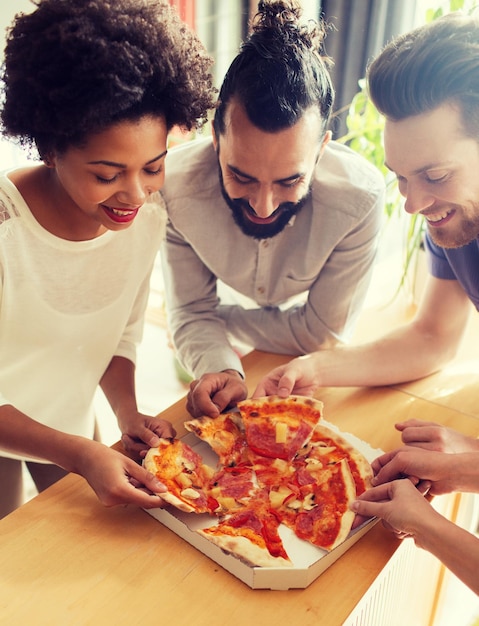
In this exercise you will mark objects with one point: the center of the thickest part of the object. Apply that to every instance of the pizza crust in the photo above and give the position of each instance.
(245, 550)
(224, 434)
(348, 516)
(362, 464)
(167, 467)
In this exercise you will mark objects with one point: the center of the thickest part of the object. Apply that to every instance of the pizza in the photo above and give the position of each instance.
(184, 474)
(277, 465)
(251, 534)
(318, 507)
(224, 434)
(329, 447)
(277, 427)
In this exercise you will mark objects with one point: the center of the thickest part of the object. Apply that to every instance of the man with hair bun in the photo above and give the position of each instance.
(272, 226)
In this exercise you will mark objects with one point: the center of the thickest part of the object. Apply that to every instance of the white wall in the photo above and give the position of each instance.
(8, 10)
(10, 155)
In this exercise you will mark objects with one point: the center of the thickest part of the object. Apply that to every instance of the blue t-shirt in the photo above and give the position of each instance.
(460, 264)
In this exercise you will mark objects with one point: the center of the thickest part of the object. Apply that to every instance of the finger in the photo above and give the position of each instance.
(127, 441)
(193, 384)
(165, 429)
(190, 406)
(412, 422)
(375, 494)
(140, 477)
(285, 386)
(147, 437)
(161, 429)
(390, 471)
(202, 401)
(382, 460)
(201, 404)
(358, 521)
(133, 446)
(366, 509)
(221, 400)
(142, 496)
(260, 390)
(423, 486)
(147, 479)
(229, 396)
(420, 436)
(414, 479)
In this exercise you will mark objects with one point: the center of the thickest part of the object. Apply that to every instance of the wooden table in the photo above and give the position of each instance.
(67, 560)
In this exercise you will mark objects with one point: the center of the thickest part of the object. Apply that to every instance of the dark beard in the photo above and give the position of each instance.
(240, 209)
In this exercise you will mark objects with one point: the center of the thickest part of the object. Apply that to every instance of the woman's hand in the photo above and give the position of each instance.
(141, 432)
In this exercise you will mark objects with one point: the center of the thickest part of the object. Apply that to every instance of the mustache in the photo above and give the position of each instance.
(240, 209)
(243, 204)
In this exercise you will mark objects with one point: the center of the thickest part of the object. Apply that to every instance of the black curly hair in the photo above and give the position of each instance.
(280, 71)
(75, 67)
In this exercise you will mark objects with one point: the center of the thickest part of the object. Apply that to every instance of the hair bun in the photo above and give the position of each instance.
(279, 20)
(277, 14)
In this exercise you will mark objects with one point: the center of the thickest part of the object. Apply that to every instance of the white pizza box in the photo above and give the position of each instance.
(309, 561)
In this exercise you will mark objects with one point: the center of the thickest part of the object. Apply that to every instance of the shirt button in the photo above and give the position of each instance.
(265, 243)
(261, 290)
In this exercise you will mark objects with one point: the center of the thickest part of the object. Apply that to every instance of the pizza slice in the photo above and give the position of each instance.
(317, 508)
(184, 474)
(224, 434)
(233, 487)
(270, 472)
(250, 535)
(328, 447)
(279, 427)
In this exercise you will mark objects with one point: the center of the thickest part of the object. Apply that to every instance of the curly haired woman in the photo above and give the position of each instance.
(94, 87)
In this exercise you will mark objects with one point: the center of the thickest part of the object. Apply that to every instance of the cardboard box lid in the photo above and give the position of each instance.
(309, 561)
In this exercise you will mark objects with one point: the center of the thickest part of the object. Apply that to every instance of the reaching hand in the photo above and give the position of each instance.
(117, 479)
(213, 393)
(438, 468)
(141, 432)
(432, 436)
(399, 504)
(299, 377)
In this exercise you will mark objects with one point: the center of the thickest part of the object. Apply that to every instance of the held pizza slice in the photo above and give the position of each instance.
(184, 474)
(279, 427)
(224, 434)
(251, 535)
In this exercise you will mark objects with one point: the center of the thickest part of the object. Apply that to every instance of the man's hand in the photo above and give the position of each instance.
(212, 393)
(399, 504)
(299, 377)
(439, 469)
(432, 436)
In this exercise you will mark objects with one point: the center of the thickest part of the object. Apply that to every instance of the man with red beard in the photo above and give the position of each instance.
(270, 208)
(426, 84)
